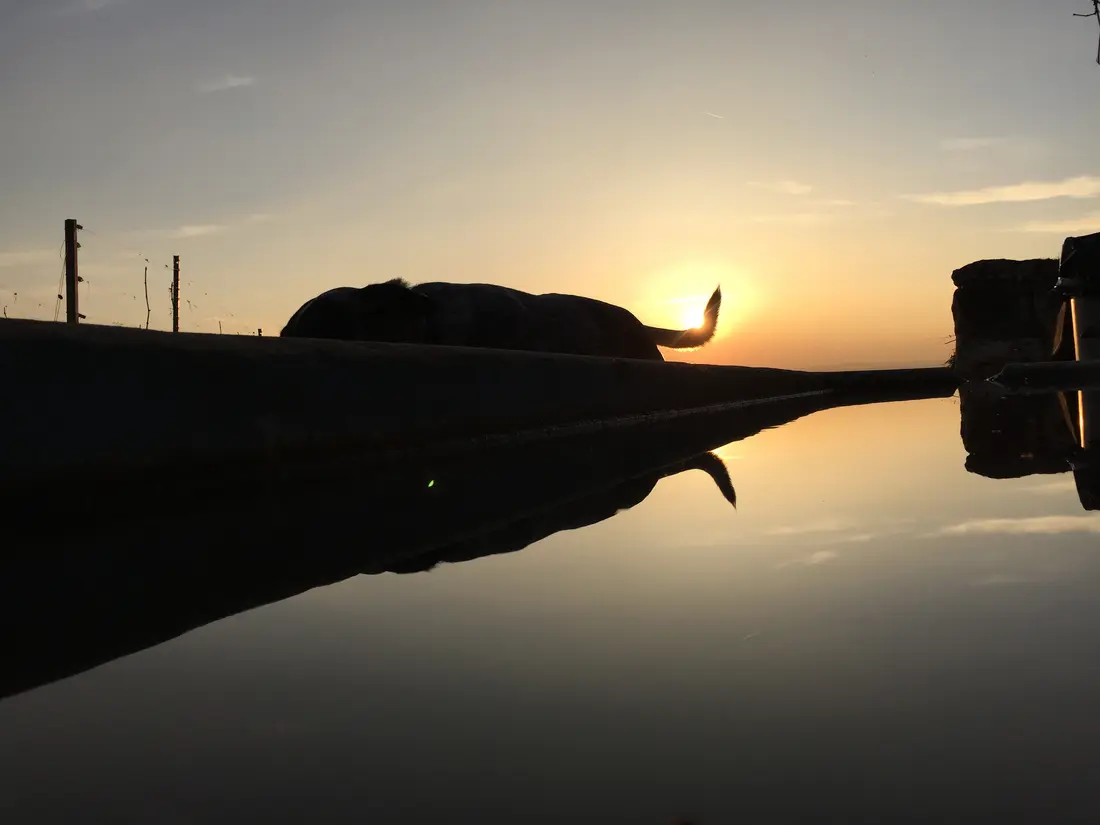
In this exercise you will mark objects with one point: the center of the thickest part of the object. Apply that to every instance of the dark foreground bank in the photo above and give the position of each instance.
(91, 404)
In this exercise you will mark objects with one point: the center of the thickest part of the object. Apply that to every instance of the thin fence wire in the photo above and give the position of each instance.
(114, 274)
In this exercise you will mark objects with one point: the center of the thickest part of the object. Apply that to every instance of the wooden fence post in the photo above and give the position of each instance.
(175, 293)
(72, 278)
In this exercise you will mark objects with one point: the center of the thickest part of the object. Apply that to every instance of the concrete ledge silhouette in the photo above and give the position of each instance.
(94, 403)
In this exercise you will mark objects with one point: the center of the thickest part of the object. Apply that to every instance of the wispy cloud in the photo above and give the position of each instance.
(785, 187)
(835, 531)
(712, 114)
(223, 84)
(204, 230)
(1062, 485)
(197, 230)
(1037, 525)
(1085, 225)
(812, 560)
(970, 144)
(835, 202)
(1083, 186)
(859, 538)
(821, 557)
(28, 257)
(824, 526)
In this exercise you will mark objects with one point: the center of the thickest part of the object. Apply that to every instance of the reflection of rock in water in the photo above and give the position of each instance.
(1008, 311)
(1010, 436)
(1004, 311)
(1086, 474)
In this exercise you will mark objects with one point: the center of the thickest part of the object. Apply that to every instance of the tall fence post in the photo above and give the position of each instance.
(72, 310)
(175, 293)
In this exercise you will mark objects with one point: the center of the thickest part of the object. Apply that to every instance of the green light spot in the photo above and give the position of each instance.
(431, 483)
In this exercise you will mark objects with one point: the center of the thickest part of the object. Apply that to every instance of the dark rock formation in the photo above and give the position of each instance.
(1004, 311)
(1008, 311)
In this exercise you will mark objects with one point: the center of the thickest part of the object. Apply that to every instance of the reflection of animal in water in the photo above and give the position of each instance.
(484, 315)
(714, 467)
(569, 515)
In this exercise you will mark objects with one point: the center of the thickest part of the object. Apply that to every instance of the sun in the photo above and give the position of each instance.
(686, 311)
(685, 288)
(692, 312)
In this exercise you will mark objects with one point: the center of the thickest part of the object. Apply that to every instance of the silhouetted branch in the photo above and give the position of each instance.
(1095, 13)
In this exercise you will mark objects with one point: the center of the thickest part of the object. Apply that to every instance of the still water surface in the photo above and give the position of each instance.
(872, 635)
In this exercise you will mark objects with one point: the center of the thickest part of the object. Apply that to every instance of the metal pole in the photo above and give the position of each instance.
(72, 312)
(175, 293)
(1079, 280)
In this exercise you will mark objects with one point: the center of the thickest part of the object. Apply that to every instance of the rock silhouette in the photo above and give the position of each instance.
(1004, 311)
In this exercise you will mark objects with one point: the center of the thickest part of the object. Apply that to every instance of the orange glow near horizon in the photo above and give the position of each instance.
(669, 154)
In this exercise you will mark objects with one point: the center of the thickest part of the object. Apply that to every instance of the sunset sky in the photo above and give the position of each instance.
(829, 163)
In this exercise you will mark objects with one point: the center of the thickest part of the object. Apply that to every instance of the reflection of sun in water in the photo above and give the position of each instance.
(728, 452)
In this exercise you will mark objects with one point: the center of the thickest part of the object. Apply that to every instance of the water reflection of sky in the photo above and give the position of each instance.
(873, 635)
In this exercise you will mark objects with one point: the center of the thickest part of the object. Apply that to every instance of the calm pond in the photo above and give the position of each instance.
(873, 634)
